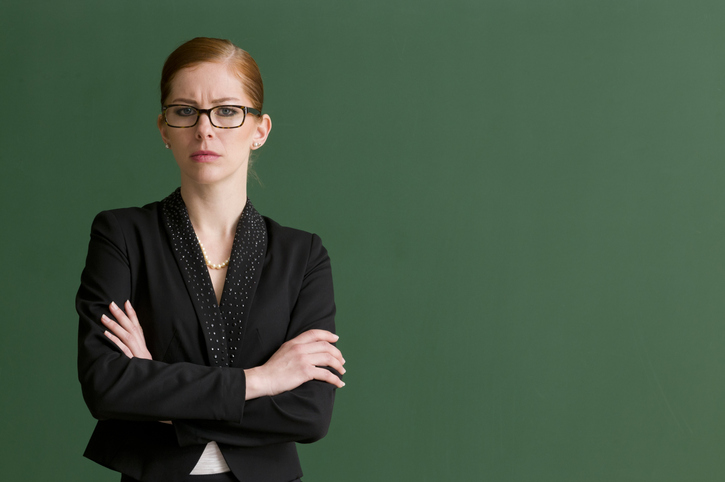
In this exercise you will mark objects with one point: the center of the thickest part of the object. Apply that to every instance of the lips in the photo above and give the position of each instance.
(204, 156)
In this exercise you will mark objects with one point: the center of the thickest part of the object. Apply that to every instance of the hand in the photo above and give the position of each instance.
(126, 332)
(297, 361)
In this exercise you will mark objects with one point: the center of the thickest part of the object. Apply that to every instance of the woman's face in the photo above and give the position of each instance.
(206, 154)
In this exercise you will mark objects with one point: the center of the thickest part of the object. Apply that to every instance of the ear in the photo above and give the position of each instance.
(261, 131)
(162, 128)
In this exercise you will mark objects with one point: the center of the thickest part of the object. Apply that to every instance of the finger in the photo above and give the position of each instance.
(119, 343)
(322, 347)
(329, 377)
(137, 329)
(117, 329)
(325, 360)
(131, 325)
(310, 336)
(128, 339)
(120, 316)
(131, 313)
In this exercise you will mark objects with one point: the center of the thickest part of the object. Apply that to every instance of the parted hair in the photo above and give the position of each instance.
(203, 49)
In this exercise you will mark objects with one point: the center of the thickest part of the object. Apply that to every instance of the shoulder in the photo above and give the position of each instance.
(128, 227)
(295, 246)
(288, 239)
(128, 218)
(132, 215)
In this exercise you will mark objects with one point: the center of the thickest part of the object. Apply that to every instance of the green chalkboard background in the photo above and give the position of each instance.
(524, 202)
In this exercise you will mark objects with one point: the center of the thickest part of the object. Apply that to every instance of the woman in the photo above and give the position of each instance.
(206, 345)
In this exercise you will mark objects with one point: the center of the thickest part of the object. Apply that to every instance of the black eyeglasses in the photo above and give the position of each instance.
(221, 116)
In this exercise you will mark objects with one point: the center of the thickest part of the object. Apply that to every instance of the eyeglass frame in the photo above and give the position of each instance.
(199, 112)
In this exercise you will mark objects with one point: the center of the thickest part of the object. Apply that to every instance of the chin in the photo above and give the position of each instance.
(209, 176)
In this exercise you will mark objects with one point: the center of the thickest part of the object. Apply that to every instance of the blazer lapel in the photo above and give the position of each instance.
(190, 259)
(222, 325)
(245, 269)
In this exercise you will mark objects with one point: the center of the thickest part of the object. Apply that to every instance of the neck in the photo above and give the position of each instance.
(214, 209)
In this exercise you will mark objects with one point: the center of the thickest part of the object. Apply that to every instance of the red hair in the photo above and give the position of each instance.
(203, 49)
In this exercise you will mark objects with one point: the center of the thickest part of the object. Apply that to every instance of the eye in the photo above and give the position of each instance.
(228, 111)
(184, 111)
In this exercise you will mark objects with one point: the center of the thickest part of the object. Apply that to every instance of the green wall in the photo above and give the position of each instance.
(523, 201)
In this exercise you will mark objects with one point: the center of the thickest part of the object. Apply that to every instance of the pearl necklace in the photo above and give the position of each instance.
(209, 264)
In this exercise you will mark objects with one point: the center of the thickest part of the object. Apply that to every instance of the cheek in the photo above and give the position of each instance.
(240, 141)
(181, 139)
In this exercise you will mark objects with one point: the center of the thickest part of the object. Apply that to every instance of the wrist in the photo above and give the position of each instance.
(256, 384)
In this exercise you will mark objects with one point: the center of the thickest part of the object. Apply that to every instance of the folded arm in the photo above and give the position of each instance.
(288, 398)
(115, 386)
(301, 414)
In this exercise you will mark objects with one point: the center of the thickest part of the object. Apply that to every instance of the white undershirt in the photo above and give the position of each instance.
(211, 461)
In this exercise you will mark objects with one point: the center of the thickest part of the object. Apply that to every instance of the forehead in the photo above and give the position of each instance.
(207, 82)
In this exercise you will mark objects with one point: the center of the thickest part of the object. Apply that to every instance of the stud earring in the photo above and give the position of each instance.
(167, 145)
(256, 144)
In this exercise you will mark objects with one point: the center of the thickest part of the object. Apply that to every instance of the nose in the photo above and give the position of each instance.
(204, 129)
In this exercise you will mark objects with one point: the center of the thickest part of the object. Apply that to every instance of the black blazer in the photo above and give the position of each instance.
(278, 285)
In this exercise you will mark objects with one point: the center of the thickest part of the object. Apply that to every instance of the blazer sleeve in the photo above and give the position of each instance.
(117, 387)
(299, 415)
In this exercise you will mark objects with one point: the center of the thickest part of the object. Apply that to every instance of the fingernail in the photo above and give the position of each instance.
(343, 384)
(104, 318)
(113, 304)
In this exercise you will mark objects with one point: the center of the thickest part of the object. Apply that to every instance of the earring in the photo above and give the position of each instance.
(167, 145)
(256, 144)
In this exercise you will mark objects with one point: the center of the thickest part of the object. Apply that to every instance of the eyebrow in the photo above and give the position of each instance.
(215, 101)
